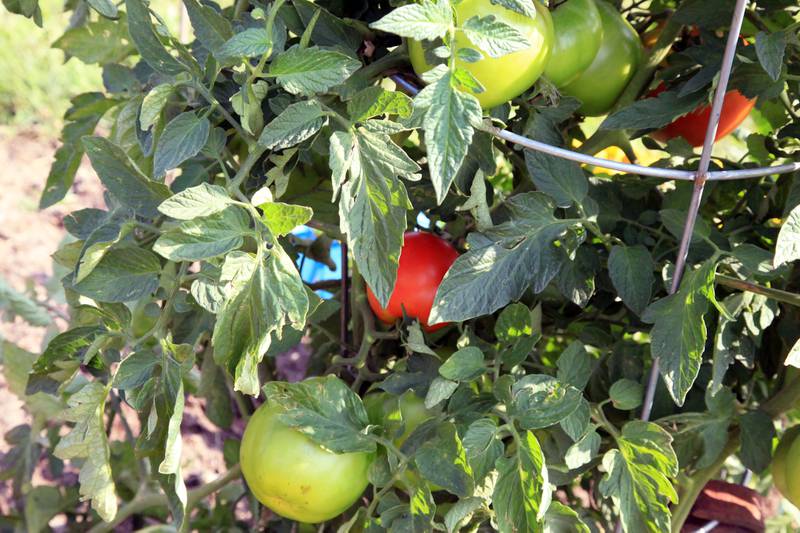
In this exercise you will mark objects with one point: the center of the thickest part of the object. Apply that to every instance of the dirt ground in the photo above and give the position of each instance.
(28, 237)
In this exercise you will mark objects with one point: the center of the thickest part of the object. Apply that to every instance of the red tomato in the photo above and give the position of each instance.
(424, 260)
(692, 126)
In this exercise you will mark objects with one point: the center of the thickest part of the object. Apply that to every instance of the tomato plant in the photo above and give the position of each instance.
(424, 260)
(299, 195)
(501, 75)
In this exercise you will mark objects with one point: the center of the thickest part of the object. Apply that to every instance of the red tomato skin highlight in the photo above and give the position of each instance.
(424, 260)
(692, 126)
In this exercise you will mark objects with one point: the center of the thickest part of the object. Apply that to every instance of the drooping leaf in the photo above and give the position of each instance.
(123, 179)
(504, 262)
(124, 274)
(631, 271)
(678, 336)
(522, 493)
(87, 441)
(147, 41)
(326, 410)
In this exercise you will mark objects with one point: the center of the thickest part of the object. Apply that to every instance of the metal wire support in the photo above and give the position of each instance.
(700, 178)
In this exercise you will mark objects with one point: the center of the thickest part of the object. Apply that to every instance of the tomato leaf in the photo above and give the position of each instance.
(294, 125)
(638, 477)
(493, 36)
(427, 20)
(147, 41)
(183, 138)
(449, 124)
(87, 441)
(540, 401)
(522, 493)
(678, 336)
(372, 203)
(325, 410)
(443, 460)
(504, 262)
(787, 249)
(205, 237)
(631, 271)
(124, 274)
(123, 179)
(312, 70)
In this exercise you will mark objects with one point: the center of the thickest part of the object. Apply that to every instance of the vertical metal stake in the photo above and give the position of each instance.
(344, 312)
(700, 180)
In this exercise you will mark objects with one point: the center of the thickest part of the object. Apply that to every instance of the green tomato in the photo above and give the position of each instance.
(144, 318)
(504, 77)
(294, 476)
(778, 466)
(578, 35)
(412, 410)
(600, 85)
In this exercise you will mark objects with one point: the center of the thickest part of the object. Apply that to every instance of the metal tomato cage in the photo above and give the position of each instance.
(699, 177)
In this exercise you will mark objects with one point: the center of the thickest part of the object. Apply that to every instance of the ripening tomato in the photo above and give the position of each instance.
(424, 260)
(578, 35)
(692, 126)
(786, 465)
(507, 76)
(294, 476)
(600, 86)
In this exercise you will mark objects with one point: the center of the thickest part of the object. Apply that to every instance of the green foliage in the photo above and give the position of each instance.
(215, 147)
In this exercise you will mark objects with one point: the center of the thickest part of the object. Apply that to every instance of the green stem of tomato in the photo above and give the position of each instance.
(689, 492)
(147, 499)
(775, 294)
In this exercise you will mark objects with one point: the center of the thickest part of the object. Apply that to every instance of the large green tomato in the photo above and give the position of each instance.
(578, 36)
(600, 85)
(504, 77)
(294, 476)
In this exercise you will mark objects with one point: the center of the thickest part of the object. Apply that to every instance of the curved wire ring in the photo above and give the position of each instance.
(630, 168)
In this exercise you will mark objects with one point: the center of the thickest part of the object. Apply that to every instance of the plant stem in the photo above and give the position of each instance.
(695, 484)
(775, 294)
(786, 398)
(256, 151)
(145, 500)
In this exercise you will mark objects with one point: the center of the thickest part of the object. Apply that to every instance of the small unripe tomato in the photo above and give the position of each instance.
(786, 465)
(144, 318)
(424, 260)
(294, 476)
(507, 76)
